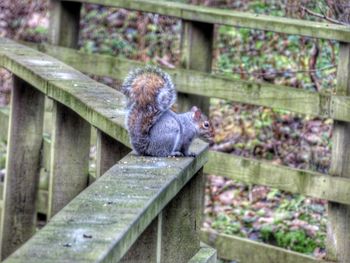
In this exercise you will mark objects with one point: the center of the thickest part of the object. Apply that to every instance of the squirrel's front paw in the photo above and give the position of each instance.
(191, 154)
(176, 154)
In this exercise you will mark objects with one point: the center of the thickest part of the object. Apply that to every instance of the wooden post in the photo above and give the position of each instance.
(70, 147)
(145, 247)
(338, 230)
(181, 222)
(109, 152)
(63, 28)
(22, 167)
(70, 133)
(196, 54)
(64, 23)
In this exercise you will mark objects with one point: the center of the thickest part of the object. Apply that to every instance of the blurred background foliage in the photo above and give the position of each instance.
(263, 214)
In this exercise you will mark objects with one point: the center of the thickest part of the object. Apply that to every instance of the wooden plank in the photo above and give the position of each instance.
(70, 148)
(4, 123)
(205, 254)
(196, 54)
(338, 231)
(109, 152)
(288, 179)
(46, 158)
(97, 64)
(103, 222)
(233, 18)
(248, 251)
(21, 181)
(214, 86)
(42, 202)
(98, 104)
(181, 222)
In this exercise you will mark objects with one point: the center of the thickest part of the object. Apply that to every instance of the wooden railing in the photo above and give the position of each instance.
(141, 210)
(195, 79)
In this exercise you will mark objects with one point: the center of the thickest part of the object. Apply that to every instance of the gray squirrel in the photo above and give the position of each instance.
(154, 129)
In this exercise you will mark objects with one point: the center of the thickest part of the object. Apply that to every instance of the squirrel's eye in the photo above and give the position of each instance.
(206, 124)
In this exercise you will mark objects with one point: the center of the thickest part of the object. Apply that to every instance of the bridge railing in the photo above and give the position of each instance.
(194, 79)
(140, 209)
(198, 85)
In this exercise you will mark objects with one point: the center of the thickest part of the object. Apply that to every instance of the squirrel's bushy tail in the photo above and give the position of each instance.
(150, 86)
(151, 93)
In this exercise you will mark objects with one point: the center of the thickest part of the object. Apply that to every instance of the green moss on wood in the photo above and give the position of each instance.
(205, 254)
(215, 86)
(248, 251)
(98, 104)
(102, 223)
(4, 123)
(288, 179)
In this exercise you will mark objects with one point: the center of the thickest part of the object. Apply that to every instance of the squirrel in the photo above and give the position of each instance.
(154, 129)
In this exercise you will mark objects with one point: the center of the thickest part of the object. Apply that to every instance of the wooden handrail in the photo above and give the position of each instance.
(325, 105)
(102, 223)
(68, 86)
(233, 18)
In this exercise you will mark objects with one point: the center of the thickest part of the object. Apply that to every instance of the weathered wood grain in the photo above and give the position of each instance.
(196, 53)
(98, 104)
(145, 247)
(288, 179)
(109, 152)
(103, 222)
(181, 222)
(338, 230)
(4, 123)
(223, 164)
(215, 86)
(70, 148)
(22, 166)
(248, 251)
(233, 18)
(64, 23)
(42, 203)
(205, 254)
(183, 215)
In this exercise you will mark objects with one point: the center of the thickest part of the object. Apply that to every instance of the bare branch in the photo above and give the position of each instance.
(312, 65)
(329, 19)
(279, 73)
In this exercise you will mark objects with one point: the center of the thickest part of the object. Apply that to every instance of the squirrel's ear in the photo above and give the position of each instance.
(196, 113)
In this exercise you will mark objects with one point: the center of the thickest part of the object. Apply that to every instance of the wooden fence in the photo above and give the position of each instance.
(141, 210)
(193, 79)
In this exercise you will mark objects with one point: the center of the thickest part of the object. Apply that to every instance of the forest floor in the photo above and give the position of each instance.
(260, 213)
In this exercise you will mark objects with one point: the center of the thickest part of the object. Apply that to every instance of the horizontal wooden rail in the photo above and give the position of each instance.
(248, 251)
(69, 87)
(102, 223)
(332, 188)
(233, 18)
(251, 171)
(214, 86)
